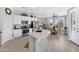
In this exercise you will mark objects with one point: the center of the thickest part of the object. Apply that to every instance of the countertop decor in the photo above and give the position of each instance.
(39, 30)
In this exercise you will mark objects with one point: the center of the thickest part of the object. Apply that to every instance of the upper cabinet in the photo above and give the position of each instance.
(18, 19)
(73, 18)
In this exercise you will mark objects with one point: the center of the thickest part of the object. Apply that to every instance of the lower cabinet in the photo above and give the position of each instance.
(75, 38)
(17, 33)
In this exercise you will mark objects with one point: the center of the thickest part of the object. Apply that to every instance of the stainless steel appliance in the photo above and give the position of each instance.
(25, 29)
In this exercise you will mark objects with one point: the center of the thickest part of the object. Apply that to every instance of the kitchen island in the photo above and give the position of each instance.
(39, 43)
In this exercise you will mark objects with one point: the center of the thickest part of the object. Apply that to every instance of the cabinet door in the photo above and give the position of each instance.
(17, 33)
(17, 19)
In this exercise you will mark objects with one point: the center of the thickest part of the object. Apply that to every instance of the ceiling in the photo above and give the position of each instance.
(43, 11)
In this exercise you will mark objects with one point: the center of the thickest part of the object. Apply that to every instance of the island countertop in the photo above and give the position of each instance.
(42, 34)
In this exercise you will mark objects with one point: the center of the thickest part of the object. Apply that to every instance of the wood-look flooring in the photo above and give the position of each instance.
(61, 43)
(56, 43)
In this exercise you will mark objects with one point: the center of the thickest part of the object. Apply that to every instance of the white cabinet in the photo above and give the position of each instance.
(73, 18)
(28, 19)
(17, 33)
(17, 19)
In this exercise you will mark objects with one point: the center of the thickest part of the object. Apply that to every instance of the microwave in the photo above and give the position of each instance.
(24, 22)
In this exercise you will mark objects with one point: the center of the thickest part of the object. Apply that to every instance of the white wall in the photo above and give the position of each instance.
(1, 17)
(65, 21)
(6, 26)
